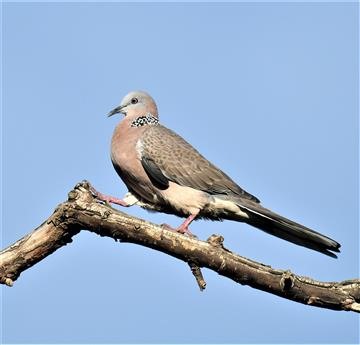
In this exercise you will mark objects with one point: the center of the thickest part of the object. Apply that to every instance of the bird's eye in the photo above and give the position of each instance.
(134, 101)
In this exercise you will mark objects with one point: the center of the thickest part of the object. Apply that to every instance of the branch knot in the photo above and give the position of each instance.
(216, 241)
(287, 280)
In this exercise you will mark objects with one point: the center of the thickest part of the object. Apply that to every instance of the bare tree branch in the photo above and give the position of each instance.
(83, 212)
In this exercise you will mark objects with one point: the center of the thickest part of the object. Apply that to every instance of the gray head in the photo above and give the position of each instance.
(136, 103)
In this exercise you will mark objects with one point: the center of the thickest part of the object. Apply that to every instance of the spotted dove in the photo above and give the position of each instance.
(165, 173)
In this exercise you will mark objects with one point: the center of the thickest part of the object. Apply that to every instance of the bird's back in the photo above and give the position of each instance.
(181, 163)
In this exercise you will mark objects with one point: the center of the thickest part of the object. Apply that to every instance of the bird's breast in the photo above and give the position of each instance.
(126, 160)
(123, 144)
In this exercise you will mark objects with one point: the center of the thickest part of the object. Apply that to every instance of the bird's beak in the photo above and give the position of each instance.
(117, 110)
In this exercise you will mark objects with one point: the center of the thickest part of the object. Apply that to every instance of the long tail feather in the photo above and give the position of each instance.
(288, 230)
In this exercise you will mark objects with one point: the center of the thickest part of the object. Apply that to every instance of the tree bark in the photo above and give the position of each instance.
(83, 212)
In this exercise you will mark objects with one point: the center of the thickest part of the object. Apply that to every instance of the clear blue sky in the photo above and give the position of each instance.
(268, 92)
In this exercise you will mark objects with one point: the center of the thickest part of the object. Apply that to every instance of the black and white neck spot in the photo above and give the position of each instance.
(147, 119)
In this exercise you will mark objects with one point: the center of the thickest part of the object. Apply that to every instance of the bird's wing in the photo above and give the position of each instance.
(166, 156)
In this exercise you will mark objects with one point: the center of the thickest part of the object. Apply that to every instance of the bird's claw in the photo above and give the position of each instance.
(93, 192)
(182, 230)
(105, 199)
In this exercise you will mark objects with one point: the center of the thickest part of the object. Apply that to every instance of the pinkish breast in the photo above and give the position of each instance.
(127, 162)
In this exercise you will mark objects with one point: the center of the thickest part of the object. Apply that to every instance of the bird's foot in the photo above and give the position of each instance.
(107, 198)
(184, 227)
(181, 229)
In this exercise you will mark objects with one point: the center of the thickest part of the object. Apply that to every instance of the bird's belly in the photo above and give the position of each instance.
(184, 200)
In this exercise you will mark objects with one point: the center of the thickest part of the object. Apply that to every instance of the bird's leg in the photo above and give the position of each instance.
(184, 227)
(107, 198)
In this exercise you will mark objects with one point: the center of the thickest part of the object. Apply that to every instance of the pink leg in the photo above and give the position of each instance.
(184, 227)
(107, 198)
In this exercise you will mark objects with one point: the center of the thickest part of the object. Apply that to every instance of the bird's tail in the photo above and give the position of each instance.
(286, 229)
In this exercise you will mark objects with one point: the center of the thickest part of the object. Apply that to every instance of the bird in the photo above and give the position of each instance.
(164, 173)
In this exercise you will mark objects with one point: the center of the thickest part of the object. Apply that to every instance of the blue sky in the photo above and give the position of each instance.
(267, 91)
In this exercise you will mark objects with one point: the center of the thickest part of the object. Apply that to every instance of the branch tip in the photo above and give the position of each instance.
(7, 281)
(196, 271)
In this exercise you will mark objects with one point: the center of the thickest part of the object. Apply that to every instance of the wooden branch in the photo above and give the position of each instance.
(82, 211)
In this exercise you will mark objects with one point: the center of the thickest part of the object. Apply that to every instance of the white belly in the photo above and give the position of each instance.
(185, 199)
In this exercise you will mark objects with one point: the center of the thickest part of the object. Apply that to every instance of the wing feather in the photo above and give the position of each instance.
(154, 172)
(165, 155)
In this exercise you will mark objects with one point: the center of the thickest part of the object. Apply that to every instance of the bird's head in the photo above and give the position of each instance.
(136, 103)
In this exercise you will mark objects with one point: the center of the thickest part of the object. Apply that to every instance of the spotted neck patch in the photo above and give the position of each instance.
(147, 119)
